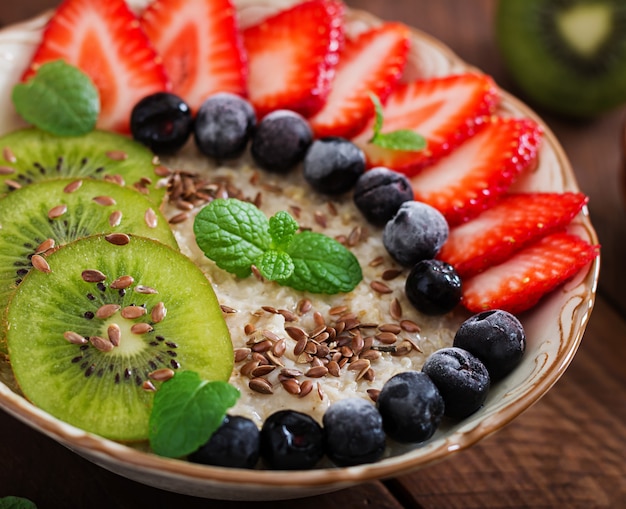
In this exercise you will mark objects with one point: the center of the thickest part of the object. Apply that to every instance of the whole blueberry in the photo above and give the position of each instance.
(496, 337)
(281, 141)
(291, 440)
(332, 165)
(411, 407)
(235, 444)
(415, 233)
(161, 121)
(379, 192)
(354, 432)
(433, 287)
(462, 380)
(224, 125)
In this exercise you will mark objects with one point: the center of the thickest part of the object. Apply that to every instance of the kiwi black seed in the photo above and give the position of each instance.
(568, 56)
(62, 341)
(36, 219)
(30, 155)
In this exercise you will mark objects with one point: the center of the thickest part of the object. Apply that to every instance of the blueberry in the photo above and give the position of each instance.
(281, 141)
(379, 193)
(433, 287)
(161, 121)
(496, 337)
(354, 432)
(462, 380)
(415, 233)
(411, 407)
(234, 444)
(224, 125)
(332, 165)
(291, 440)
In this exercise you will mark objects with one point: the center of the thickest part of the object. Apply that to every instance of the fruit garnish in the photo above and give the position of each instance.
(105, 41)
(477, 173)
(518, 283)
(568, 57)
(292, 57)
(237, 236)
(59, 99)
(516, 220)
(31, 155)
(372, 62)
(379, 192)
(445, 110)
(333, 165)
(400, 139)
(103, 322)
(201, 46)
(186, 411)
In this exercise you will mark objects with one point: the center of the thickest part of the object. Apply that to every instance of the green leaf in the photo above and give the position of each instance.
(60, 99)
(402, 139)
(275, 265)
(282, 229)
(322, 265)
(232, 233)
(186, 412)
(11, 502)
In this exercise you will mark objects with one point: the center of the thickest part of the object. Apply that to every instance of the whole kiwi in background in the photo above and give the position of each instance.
(567, 56)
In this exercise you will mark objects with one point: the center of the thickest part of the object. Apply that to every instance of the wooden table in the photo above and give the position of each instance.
(567, 451)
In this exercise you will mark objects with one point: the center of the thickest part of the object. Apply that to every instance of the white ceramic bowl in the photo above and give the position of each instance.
(554, 328)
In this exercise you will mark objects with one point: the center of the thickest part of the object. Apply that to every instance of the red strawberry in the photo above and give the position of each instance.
(517, 284)
(478, 172)
(373, 62)
(201, 46)
(446, 111)
(104, 40)
(512, 223)
(292, 57)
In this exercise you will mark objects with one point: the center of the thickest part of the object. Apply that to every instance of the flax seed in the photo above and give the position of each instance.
(161, 171)
(390, 274)
(304, 306)
(262, 346)
(320, 218)
(73, 186)
(161, 375)
(390, 327)
(261, 385)
(410, 326)
(318, 318)
(395, 309)
(122, 282)
(6, 170)
(268, 334)
(291, 385)
(300, 346)
(74, 338)
(116, 155)
(387, 338)
(296, 333)
(117, 239)
(40, 264)
(305, 388)
(354, 237)
(257, 273)
(46, 245)
(107, 310)
(179, 218)
(92, 276)
(9, 155)
(141, 328)
(248, 367)
(12, 184)
(158, 313)
(105, 201)
(264, 370)
(150, 218)
(241, 354)
(114, 334)
(320, 391)
(57, 211)
(403, 348)
(148, 386)
(227, 310)
(279, 348)
(333, 368)
(337, 310)
(104, 345)
(115, 218)
(146, 290)
(290, 372)
(288, 315)
(380, 287)
(373, 394)
(116, 179)
(133, 312)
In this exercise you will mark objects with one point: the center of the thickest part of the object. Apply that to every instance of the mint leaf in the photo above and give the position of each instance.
(12, 502)
(186, 412)
(60, 99)
(322, 265)
(402, 139)
(232, 233)
(275, 265)
(282, 229)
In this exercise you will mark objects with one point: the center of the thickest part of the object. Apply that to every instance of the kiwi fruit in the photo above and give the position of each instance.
(30, 155)
(93, 335)
(38, 218)
(567, 56)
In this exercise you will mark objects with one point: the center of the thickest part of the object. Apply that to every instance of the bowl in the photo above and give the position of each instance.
(554, 328)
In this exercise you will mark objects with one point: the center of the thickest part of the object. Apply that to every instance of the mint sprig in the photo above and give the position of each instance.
(236, 235)
(186, 411)
(401, 139)
(59, 99)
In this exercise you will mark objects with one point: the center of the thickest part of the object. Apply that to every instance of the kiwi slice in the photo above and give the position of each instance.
(64, 323)
(568, 56)
(38, 218)
(30, 155)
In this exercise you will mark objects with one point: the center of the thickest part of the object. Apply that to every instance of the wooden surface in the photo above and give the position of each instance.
(567, 451)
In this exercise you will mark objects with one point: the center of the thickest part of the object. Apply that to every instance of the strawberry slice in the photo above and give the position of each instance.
(104, 40)
(477, 173)
(201, 46)
(373, 62)
(292, 57)
(517, 284)
(512, 223)
(446, 111)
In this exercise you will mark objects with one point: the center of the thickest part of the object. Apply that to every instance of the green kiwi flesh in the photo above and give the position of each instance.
(567, 56)
(92, 206)
(104, 392)
(30, 155)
